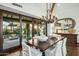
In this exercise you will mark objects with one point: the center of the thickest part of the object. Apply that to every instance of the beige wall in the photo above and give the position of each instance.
(71, 10)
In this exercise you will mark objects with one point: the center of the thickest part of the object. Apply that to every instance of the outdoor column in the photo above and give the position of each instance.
(32, 29)
(1, 32)
(20, 30)
(20, 40)
(46, 29)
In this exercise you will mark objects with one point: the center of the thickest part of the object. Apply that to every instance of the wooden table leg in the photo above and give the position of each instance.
(43, 53)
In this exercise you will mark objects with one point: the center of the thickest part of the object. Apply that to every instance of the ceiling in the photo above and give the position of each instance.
(61, 10)
(67, 10)
(39, 9)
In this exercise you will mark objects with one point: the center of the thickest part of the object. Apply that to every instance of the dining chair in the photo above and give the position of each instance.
(30, 51)
(64, 49)
(35, 52)
(54, 50)
(25, 49)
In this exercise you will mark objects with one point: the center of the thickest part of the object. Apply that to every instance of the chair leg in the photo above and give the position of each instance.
(43, 53)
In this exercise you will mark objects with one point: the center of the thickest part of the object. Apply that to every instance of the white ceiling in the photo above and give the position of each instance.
(39, 9)
(68, 5)
(61, 9)
(67, 10)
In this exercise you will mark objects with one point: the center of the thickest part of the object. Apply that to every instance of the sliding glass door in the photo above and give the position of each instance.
(36, 30)
(43, 28)
(26, 30)
(29, 31)
(11, 33)
(24, 33)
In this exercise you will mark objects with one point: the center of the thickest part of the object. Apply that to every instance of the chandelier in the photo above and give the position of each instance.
(49, 18)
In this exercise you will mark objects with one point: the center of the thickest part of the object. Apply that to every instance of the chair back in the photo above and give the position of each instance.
(64, 41)
(30, 51)
(26, 49)
(64, 50)
(58, 51)
(35, 52)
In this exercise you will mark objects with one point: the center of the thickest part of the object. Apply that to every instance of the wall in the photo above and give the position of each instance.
(71, 10)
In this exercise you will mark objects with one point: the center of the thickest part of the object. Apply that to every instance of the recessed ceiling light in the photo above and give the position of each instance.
(58, 4)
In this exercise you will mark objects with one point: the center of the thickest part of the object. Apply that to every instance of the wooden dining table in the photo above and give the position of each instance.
(43, 45)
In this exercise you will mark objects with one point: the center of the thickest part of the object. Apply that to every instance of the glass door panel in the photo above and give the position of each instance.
(11, 31)
(24, 31)
(36, 29)
(43, 29)
(29, 31)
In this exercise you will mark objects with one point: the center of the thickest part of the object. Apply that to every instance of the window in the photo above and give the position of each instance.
(11, 31)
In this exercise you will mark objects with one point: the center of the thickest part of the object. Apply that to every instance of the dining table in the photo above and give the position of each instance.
(44, 45)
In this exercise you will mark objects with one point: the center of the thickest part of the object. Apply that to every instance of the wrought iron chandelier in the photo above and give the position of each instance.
(49, 10)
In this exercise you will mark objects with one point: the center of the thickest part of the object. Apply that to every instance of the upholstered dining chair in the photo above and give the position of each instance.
(30, 51)
(64, 49)
(35, 52)
(25, 49)
(55, 50)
